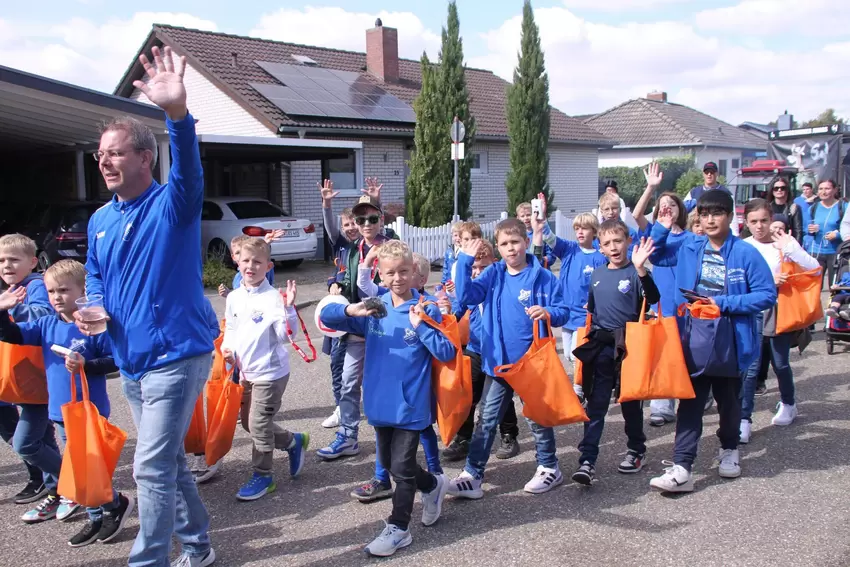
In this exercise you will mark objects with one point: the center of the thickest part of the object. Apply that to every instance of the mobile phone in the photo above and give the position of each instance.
(537, 208)
(691, 295)
(60, 350)
(376, 304)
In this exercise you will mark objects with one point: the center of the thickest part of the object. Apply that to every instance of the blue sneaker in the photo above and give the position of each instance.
(296, 453)
(257, 487)
(342, 446)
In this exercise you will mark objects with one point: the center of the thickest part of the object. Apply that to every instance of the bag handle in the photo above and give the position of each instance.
(84, 385)
(538, 340)
(289, 334)
(642, 317)
(431, 323)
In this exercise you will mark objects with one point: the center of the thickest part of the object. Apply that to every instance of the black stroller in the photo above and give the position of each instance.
(837, 329)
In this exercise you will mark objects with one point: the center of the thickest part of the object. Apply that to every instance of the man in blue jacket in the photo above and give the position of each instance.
(145, 259)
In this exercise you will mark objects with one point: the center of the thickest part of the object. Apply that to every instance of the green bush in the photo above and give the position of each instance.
(632, 183)
(217, 273)
(692, 178)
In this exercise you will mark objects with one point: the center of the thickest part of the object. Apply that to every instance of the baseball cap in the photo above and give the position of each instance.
(366, 201)
(709, 165)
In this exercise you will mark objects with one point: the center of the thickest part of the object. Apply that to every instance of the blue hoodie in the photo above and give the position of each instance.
(397, 389)
(488, 289)
(548, 254)
(749, 284)
(475, 324)
(448, 261)
(212, 318)
(664, 261)
(36, 304)
(145, 258)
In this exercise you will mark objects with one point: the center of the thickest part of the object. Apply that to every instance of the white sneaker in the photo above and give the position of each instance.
(190, 561)
(729, 467)
(207, 473)
(432, 502)
(465, 486)
(391, 539)
(785, 414)
(544, 480)
(332, 420)
(676, 478)
(746, 428)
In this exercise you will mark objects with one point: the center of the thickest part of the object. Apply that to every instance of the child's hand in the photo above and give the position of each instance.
(472, 247)
(222, 290)
(274, 235)
(445, 303)
(538, 224)
(371, 256)
(537, 312)
(12, 297)
(450, 286)
(327, 191)
(359, 310)
(373, 188)
(289, 295)
(780, 241)
(665, 216)
(227, 354)
(335, 289)
(642, 252)
(780, 279)
(73, 363)
(653, 174)
(415, 315)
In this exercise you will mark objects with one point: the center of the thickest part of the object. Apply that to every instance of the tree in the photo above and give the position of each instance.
(444, 95)
(528, 119)
(825, 118)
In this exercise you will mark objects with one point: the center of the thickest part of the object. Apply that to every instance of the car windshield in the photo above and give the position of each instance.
(255, 209)
(76, 219)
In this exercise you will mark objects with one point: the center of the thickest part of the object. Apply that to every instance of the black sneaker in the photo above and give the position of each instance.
(458, 449)
(87, 535)
(34, 490)
(585, 474)
(632, 463)
(114, 520)
(509, 447)
(761, 389)
(372, 491)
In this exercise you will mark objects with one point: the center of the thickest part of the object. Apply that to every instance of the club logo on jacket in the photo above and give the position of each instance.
(624, 286)
(410, 337)
(256, 316)
(128, 232)
(588, 271)
(77, 345)
(524, 296)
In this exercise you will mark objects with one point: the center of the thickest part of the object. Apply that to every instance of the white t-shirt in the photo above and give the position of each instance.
(792, 252)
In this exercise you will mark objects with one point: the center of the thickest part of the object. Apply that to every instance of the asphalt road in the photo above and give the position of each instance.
(790, 507)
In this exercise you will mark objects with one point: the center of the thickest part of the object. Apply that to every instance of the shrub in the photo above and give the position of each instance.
(632, 183)
(690, 179)
(216, 273)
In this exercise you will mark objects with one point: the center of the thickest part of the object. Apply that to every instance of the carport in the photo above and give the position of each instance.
(48, 131)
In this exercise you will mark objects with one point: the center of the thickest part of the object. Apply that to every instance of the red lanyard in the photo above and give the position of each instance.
(290, 334)
(374, 266)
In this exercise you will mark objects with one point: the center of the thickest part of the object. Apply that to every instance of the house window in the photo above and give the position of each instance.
(344, 172)
(721, 167)
(736, 163)
(479, 163)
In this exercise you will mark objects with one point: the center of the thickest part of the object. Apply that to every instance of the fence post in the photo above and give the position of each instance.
(400, 229)
(559, 220)
(503, 216)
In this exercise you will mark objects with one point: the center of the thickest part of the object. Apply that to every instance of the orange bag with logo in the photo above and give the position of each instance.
(22, 377)
(542, 383)
(654, 367)
(452, 380)
(581, 338)
(799, 304)
(196, 436)
(224, 402)
(92, 449)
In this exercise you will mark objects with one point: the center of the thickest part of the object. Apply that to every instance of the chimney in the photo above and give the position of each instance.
(657, 96)
(382, 52)
(785, 121)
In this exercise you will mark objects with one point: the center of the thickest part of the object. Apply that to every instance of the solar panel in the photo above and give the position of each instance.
(330, 93)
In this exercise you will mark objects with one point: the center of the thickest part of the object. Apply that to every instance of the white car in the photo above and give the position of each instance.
(223, 218)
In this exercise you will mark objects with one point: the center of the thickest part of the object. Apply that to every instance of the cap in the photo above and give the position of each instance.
(366, 201)
(709, 166)
(783, 219)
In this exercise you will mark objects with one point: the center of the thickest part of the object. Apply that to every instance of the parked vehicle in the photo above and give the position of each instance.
(223, 218)
(755, 181)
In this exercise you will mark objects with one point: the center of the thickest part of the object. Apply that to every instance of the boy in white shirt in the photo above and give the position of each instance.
(257, 316)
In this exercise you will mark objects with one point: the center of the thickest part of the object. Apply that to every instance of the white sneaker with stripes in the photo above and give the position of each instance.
(466, 486)
(544, 480)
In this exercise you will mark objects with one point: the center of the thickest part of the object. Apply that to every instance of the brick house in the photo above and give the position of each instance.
(251, 147)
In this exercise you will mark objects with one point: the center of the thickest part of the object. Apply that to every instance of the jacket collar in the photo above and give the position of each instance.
(133, 203)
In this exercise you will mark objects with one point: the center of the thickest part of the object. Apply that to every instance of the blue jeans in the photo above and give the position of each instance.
(162, 402)
(497, 397)
(337, 364)
(35, 441)
(428, 438)
(8, 424)
(95, 514)
(351, 387)
(778, 349)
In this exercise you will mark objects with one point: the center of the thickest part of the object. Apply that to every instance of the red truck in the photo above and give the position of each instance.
(756, 179)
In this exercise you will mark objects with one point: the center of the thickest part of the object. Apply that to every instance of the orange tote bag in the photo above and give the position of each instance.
(654, 367)
(92, 449)
(581, 338)
(798, 304)
(224, 402)
(196, 436)
(452, 380)
(22, 377)
(542, 383)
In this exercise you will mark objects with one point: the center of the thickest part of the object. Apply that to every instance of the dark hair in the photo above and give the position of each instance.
(716, 200)
(808, 184)
(771, 198)
(612, 184)
(682, 219)
(757, 204)
(830, 181)
(613, 225)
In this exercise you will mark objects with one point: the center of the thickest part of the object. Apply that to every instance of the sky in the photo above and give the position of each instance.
(738, 60)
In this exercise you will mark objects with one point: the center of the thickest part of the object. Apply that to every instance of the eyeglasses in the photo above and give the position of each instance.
(780, 187)
(113, 154)
(704, 215)
(371, 219)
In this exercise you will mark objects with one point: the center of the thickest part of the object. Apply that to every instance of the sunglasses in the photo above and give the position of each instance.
(371, 219)
(780, 188)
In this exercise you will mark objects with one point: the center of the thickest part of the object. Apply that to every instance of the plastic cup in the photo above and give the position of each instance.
(92, 313)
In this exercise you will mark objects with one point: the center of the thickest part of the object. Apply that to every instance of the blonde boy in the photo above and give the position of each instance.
(451, 253)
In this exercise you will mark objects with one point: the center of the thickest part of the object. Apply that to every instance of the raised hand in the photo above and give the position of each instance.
(290, 293)
(653, 174)
(371, 256)
(538, 224)
(415, 315)
(165, 86)
(274, 235)
(373, 188)
(472, 247)
(12, 297)
(781, 240)
(642, 252)
(327, 191)
(665, 216)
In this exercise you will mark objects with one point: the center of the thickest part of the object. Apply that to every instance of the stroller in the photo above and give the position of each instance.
(838, 330)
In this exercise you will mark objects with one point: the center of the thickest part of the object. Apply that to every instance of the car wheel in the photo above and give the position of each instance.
(43, 262)
(218, 252)
(290, 264)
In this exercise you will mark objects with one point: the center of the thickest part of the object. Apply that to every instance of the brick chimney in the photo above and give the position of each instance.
(382, 52)
(657, 97)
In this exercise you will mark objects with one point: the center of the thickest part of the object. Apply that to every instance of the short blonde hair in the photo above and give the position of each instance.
(473, 228)
(486, 251)
(347, 213)
(609, 199)
(514, 227)
(587, 221)
(237, 241)
(456, 226)
(258, 246)
(19, 243)
(421, 263)
(395, 249)
(522, 206)
(67, 269)
(693, 218)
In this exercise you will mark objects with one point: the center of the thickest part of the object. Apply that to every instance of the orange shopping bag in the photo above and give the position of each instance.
(224, 402)
(654, 367)
(196, 436)
(798, 304)
(92, 449)
(542, 383)
(452, 380)
(22, 377)
(581, 338)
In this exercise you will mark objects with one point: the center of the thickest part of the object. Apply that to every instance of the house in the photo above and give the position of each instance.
(648, 128)
(760, 130)
(276, 118)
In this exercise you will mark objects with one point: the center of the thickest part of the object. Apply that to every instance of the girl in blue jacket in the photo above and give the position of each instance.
(735, 278)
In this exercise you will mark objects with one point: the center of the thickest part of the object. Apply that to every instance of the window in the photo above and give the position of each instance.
(343, 172)
(255, 209)
(736, 164)
(211, 211)
(721, 167)
(479, 162)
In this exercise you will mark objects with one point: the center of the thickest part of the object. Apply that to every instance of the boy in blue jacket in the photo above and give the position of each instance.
(736, 278)
(516, 294)
(397, 391)
(523, 213)
(65, 282)
(450, 256)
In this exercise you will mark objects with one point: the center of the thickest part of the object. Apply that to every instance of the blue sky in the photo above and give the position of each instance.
(736, 59)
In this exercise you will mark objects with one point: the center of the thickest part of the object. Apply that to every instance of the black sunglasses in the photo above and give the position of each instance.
(371, 219)
(780, 187)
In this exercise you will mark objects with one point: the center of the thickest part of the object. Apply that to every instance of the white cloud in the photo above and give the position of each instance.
(594, 66)
(779, 18)
(80, 51)
(617, 5)
(337, 28)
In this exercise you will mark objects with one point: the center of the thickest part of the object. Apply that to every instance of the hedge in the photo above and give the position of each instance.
(631, 182)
